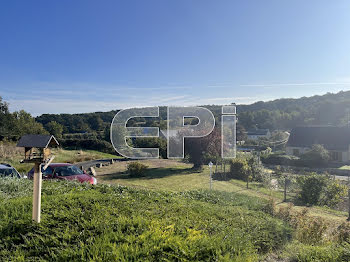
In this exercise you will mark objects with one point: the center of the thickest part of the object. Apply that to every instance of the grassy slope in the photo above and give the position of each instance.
(176, 176)
(113, 223)
(107, 223)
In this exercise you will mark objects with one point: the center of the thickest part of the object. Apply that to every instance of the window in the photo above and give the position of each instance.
(68, 171)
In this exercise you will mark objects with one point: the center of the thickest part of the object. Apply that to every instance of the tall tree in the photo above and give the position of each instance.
(55, 129)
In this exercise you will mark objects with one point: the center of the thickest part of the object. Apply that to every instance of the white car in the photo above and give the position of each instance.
(7, 170)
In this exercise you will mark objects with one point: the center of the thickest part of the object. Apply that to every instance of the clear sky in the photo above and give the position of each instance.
(84, 56)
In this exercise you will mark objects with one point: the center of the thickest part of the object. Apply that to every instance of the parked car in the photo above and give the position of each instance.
(7, 170)
(65, 171)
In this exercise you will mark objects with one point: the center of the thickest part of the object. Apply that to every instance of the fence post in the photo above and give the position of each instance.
(224, 169)
(285, 190)
(349, 203)
(37, 193)
(210, 175)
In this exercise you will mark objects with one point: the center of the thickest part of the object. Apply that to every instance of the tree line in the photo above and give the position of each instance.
(280, 114)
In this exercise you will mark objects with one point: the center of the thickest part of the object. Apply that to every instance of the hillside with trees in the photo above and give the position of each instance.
(328, 109)
(92, 129)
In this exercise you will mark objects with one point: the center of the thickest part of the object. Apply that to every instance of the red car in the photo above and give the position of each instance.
(65, 171)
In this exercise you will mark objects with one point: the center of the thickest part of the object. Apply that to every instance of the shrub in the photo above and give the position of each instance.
(136, 169)
(270, 207)
(317, 156)
(311, 230)
(333, 193)
(239, 169)
(342, 233)
(311, 186)
(320, 190)
(330, 252)
(279, 159)
(257, 170)
(307, 229)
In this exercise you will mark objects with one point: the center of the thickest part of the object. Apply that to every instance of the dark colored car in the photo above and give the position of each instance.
(65, 171)
(7, 170)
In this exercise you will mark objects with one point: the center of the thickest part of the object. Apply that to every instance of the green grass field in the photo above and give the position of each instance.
(167, 215)
(176, 176)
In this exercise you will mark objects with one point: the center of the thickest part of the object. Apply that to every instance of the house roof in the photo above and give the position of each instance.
(331, 137)
(39, 141)
(258, 132)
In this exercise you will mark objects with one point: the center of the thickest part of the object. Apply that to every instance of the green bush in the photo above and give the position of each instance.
(243, 168)
(317, 156)
(318, 189)
(136, 169)
(239, 169)
(311, 186)
(333, 193)
(279, 159)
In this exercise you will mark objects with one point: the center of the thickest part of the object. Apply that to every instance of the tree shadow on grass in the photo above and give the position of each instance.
(150, 173)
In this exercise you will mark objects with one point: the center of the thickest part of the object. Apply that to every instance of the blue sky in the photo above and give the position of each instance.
(84, 56)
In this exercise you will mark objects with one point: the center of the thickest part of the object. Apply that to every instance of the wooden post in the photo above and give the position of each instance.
(37, 193)
(210, 180)
(210, 174)
(285, 190)
(224, 169)
(92, 171)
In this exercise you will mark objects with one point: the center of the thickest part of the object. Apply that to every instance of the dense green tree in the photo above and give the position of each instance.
(55, 129)
(26, 124)
(6, 119)
(95, 122)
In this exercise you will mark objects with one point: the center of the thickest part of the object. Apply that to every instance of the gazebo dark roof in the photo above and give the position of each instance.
(39, 141)
(331, 137)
